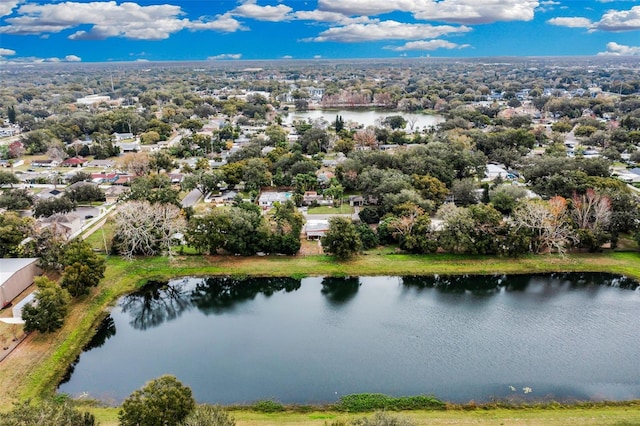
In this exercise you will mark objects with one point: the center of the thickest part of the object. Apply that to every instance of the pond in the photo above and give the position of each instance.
(460, 338)
(367, 117)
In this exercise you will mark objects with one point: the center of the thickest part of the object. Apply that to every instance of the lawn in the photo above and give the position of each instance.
(343, 209)
(627, 414)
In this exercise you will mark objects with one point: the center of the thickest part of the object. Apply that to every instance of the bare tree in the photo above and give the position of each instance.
(366, 138)
(142, 228)
(591, 210)
(548, 222)
(138, 163)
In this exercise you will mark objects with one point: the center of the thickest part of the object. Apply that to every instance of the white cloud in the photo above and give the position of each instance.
(385, 30)
(6, 52)
(250, 9)
(225, 56)
(7, 6)
(612, 20)
(455, 11)
(109, 19)
(72, 58)
(326, 16)
(615, 49)
(287, 57)
(571, 22)
(427, 45)
(223, 23)
(547, 6)
(620, 20)
(317, 56)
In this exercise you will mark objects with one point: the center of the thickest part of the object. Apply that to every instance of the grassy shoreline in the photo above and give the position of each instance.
(26, 376)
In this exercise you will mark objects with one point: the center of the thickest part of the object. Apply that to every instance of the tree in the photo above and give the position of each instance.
(207, 233)
(256, 174)
(82, 268)
(395, 122)
(154, 189)
(164, 401)
(16, 199)
(412, 229)
(54, 205)
(146, 229)
(192, 125)
(11, 114)
(546, 222)
(591, 213)
(150, 137)
(85, 192)
(208, 415)
(342, 239)
(203, 181)
(160, 160)
(463, 192)
(136, 163)
(13, 230)
(49, 308)
(45, 413)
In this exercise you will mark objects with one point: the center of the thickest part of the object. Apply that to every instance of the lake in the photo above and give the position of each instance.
(460, 338)
(366, 117)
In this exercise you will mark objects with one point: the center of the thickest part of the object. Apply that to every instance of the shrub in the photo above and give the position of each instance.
(209, 415)
(267, 406)
(376, 401)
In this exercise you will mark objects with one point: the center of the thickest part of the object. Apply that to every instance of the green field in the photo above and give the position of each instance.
(343, 209)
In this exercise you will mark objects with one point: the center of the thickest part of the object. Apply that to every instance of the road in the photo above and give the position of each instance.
(191, 198)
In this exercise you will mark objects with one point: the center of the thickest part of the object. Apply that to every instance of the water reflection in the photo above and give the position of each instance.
(217, 295)
(340, 290)
(104, 331)
(480, 285)
(156, 303)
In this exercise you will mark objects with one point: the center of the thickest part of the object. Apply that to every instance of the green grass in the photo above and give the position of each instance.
(619, 414)
(343, 209)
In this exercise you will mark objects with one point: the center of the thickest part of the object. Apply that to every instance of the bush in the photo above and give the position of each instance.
(209, 415)
(46, 413)
(362, 402)
(267, 406)
(383, 419)
(161, 402)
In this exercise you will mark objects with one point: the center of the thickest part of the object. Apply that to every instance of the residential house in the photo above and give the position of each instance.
(113, 193)
(120, 137)
(51, 193)
(73, 162)
(44, 163)
(268, 199)
(63, 224)
(315, 229)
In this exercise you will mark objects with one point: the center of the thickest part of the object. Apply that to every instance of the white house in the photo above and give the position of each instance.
(268, 199)
(494, 171)
(315, 229)
(15, 276)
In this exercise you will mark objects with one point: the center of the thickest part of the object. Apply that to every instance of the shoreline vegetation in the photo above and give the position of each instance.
(35, 368)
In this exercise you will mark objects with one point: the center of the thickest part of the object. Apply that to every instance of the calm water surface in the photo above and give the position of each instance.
(560, 336)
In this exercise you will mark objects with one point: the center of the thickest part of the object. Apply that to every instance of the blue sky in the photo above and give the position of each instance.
(160, 30)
